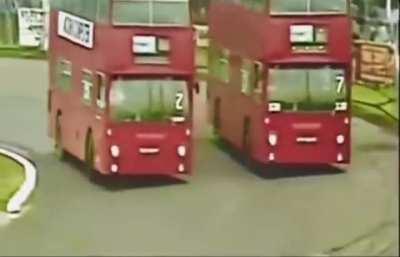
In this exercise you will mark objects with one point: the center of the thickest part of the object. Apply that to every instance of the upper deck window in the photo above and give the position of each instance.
(298, 7)
(151, 12)
(254, 5)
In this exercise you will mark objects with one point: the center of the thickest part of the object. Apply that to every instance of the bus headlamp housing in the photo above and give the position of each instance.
(340, 139)
(114, 168)
(181, 151)
(273, 139)
(115, 151)
(181, 168)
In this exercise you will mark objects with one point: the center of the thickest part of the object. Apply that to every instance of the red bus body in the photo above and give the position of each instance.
(245, 121)
(145, 148)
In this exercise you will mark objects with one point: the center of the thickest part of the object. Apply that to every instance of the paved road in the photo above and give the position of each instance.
(225, 210)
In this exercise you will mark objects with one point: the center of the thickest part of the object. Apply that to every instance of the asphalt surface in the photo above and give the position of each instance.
(226, 209)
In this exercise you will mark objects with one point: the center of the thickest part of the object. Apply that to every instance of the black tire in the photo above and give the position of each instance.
(217, 117)
(58, 144)
(90, 152)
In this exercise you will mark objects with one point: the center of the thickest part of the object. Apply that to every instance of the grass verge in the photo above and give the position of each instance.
(378, 106)
(22, 52)
(11, 178)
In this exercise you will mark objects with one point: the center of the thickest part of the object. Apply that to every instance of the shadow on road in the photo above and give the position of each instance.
(118, 183)
(276, 171)
(292, 171)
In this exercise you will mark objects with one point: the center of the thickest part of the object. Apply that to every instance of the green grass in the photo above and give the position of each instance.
(388, 92)
(391, 108)
(376, 105)
(22, 52)
(375, 116)
(11, 178)
(369, 95)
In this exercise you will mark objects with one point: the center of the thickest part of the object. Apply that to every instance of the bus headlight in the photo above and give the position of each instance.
(109, 132)
(341, 106)
(114, 168)
(271, 157)
(115, 151)
(182, 151)
(181, 168)
(273, 139)
(340, 157)
(340, 139)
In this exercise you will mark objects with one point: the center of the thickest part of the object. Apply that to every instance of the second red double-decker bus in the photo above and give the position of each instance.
(280, 79)
(121, 83)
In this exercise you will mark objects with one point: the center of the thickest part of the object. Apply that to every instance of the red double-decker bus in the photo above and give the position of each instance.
(121, 85)
(280, 79)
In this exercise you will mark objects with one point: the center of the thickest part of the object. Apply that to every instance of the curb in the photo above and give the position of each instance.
(17, 201)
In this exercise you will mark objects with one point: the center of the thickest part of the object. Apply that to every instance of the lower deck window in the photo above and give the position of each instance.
(148, 100)
(307, 89)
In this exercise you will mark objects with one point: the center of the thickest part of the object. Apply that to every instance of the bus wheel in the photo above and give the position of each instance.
(217, 116)
(90, 151)
(246, 144)
(58, 146)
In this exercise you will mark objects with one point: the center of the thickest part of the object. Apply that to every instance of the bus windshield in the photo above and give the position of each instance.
(151, 12)
(148, 100)
(307, 89)
(308, 6)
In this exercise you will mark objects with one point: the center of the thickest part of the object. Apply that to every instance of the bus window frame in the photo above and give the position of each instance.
(259, 82)
(87, 102)
(307, 68)
(106, 19)
(247, 71)
(100, 81)
(189, 112)
(308, 13)
(62, 73)
(151, 15)
(255, 72)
